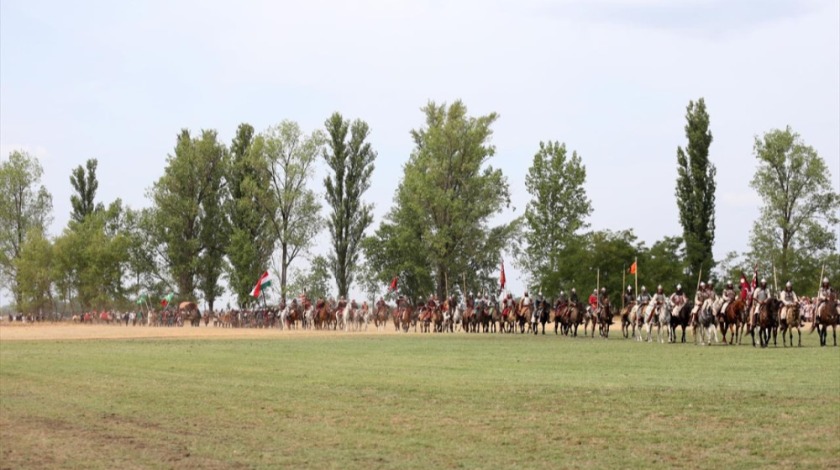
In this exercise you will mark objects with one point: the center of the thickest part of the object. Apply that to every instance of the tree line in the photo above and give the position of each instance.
(221, 214)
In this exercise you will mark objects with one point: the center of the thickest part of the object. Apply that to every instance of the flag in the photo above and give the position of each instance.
(502, 279)
(262, 283)
(167, 300)
(633, 267)
(393, 285)
(141, 299)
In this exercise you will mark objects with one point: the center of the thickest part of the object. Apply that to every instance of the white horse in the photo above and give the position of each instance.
(458, 316)
(665, 322)
(636, 320)
(309, 317)
(345, 317)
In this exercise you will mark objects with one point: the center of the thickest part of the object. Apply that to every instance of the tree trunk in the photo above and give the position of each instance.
(284, 264)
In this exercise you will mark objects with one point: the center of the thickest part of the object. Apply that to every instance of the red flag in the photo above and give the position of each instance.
(633, 267)
(502, 279)
(393, 286)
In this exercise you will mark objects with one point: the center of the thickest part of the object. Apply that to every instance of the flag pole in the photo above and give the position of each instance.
(623, 281)
(636, 273)
(598, 283)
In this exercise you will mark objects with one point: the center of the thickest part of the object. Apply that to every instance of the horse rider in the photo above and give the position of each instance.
(643, 300)
(822, 297)
(658, 300)
(789, 300)
(760, 297)
(728, 295)
(603, 301)
(573, 297)
(561, 301)
(593, 301)
(629, 300)
(699, 300)
(711, 298)
(524, 301)
(678, 299)
(380, 303)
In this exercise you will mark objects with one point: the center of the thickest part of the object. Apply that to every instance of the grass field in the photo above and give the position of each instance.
(416, 401)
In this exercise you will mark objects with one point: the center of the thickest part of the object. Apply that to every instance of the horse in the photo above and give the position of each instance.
(557, 313)
(591, 316)
(825, 317)
(406, 315)
(542, 313)
(625, 318)
(788, 322)
(733, 320)
(105, 317)
(380, 317)
(665, 322)
(660, 315)
(572, 318)
(495, 316)
(605, 319)
(768, 321)
(705, 321)
(467, 318)
(523, 314)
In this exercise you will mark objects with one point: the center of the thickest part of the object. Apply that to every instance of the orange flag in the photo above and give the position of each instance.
(633, 267)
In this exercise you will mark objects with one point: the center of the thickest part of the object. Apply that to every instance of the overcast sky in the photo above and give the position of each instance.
(117, 80)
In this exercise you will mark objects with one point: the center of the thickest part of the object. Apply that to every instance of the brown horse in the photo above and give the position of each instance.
(405, 316)
(825, 317)
(733, 321)
(523, 315)
(789, 321)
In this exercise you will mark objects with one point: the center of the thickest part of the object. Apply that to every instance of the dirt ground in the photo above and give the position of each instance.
(71, 331)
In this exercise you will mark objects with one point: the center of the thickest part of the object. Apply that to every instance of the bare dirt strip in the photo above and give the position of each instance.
(70, 331)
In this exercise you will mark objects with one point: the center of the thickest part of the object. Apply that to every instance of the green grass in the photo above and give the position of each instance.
(417, 401)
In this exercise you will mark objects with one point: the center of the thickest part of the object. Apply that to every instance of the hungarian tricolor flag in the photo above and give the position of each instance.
(262, 283)
(633, 267)
(502, 279)
(393, 285)
(167, 300)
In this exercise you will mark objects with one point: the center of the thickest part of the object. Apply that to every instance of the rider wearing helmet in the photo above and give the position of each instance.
(678, 299)
(658, 301)
(699, 300)
(822, 296)
(789, 300)
(729, 294)
(644, 298)
(760, 297)
(629, 300)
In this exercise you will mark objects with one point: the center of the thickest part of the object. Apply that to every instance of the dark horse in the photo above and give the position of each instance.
(681, 319)
(605, 318)
(543, 310)
(768, 322)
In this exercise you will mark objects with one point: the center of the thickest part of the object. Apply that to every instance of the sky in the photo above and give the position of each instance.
(116, 81)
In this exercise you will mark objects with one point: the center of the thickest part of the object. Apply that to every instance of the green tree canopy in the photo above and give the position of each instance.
(797, 226)
(26, 204)
(557, 211)
(439, 231)
(188, 225)
(251, 238)
(289, 204)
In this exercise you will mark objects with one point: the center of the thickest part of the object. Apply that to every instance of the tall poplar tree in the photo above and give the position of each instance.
(696, 190)
(85, 185)
(351, 165)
